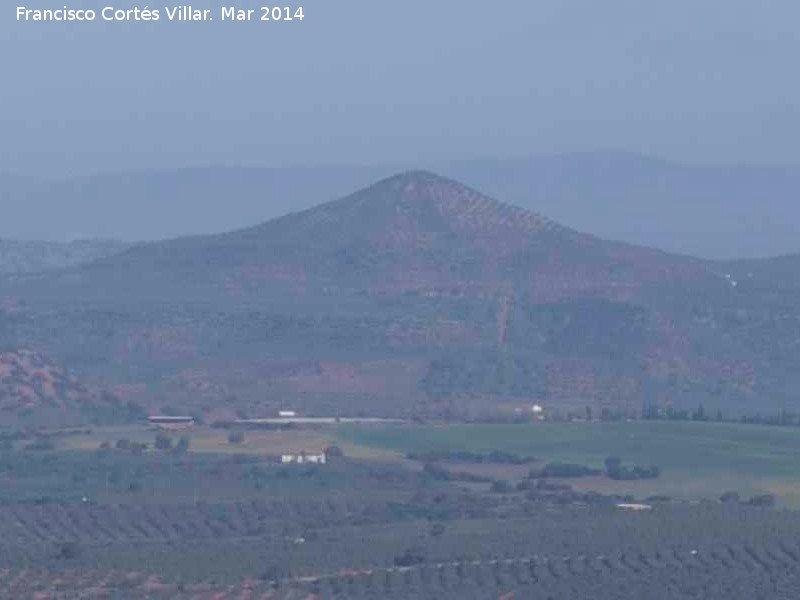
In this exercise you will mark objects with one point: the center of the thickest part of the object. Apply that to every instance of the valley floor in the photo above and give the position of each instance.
(221, 519)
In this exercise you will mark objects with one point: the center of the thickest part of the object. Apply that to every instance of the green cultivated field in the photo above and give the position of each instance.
(699, 460)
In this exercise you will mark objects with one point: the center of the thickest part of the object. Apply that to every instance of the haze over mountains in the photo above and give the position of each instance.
(414, 295)
(706, 211)
(32, 256)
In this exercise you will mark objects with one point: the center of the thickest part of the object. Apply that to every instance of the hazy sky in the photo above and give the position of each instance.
(369, 81)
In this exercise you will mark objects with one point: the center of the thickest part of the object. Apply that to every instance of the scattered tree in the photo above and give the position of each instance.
(410, 558)
(730, 498)
(502, 487)
(764, 500)
(41, 445)
(333, 452)
(69, 551)
(163, 441)
(183, 444)
(613, 464)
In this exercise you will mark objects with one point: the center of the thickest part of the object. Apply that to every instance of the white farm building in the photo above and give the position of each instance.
(303, 459)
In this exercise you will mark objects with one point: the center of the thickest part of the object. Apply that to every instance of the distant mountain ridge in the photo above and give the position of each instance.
(415, 295)
(34, 256)
(718, 212)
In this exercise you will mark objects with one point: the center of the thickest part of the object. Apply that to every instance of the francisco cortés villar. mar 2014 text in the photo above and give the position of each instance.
(184, 12)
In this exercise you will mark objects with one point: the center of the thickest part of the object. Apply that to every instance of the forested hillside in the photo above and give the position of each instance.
(414, 296)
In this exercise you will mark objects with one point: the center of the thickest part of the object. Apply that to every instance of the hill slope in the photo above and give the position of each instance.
(713, 211)
(412, 230)
(416, 294)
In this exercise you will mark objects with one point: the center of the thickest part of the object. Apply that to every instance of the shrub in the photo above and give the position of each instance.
(617, 471)
(163, 441)
(43, 445)
(566, 470)
(764, 500)
(613, 464)
(410, 558)
(273, 574)
(333, 452)
(730, 498)
(657, 499)
(502, 487)
(636, 472)
(598, 499)
(183, 445)
(69, 550)
(436, 472)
